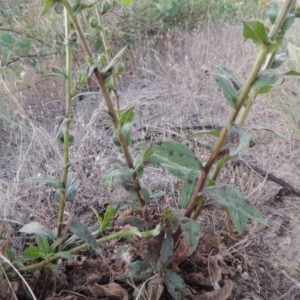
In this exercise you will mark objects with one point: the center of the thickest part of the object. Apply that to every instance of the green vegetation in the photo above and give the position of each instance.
(175, 236)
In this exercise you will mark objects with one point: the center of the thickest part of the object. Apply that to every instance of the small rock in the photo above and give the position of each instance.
(239, 268)
(245, 276)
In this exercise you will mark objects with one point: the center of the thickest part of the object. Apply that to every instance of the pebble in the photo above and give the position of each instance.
(245, 276)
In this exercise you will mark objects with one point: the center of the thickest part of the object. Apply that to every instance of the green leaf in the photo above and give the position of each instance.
(294, 57)
(119, 69)
(139, 162)
(237, 140)
(228, 89)
(122, 177)
(273, 12)
(231, 76)
(38, 229)
(267, 79)
(188, 188)
(279, 60)
(139, 271)
(127, 134)
(191, 233)
(72, 186)
(107, 70)
(157, 194)
(175, 284)
(109, 214)
(166, 251)
(57, 196)
(32, 253)
(9, 254)
(126, 115)
(47, 5)
(64, 255)
(43, 245)
(176, 157)
(82, 232)
(46, 179)
(146, 194)
(279, 134)
(213, 132)
(273, 47)
(239, 209)
(256, 31)
(8, 39)
(55, 269)
(288, 22)
(172, 217)
(292, 73)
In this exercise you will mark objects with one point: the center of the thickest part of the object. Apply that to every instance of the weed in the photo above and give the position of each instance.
(163, 242)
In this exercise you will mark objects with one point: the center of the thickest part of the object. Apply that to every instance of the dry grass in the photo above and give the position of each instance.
(171, 88)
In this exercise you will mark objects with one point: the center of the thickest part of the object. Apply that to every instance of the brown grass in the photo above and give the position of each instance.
(171, 83)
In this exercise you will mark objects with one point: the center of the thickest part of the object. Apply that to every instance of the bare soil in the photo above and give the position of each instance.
(172, 86)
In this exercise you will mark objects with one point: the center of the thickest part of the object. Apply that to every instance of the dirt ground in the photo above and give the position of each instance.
(172, 86)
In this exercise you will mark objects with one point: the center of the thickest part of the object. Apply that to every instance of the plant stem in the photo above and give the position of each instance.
(116, 235)
(108, 101)
(224, 133)
(67, 125)
(268, 62)
(107, 49)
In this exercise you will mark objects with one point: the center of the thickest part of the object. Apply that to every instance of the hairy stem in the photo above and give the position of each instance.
(108, 101)
(268, 62)
(67, 125)
(107, 49)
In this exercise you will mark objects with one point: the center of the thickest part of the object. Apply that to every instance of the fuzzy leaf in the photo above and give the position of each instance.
(112, 64)
(82, 232)
(7, 39)
(72, 186)
(191, 233)
(231, 76)
(223, 196)
(188, 188)
(46, 179)
(267, 79)
(32, 253)
(38, 229)
(238, 139)
(279, 134)
(228, 89)
(175, 284)
(256, 31)
(109, 214)
(176, 157)
(294, 55)
(127, 115)
(213, 132)
(140, 271)
(146, 194)
(273, 12)
(279, 60)
(288, 22)
(64, 255)
(43, 245)
(172, 218)
(166, 251)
